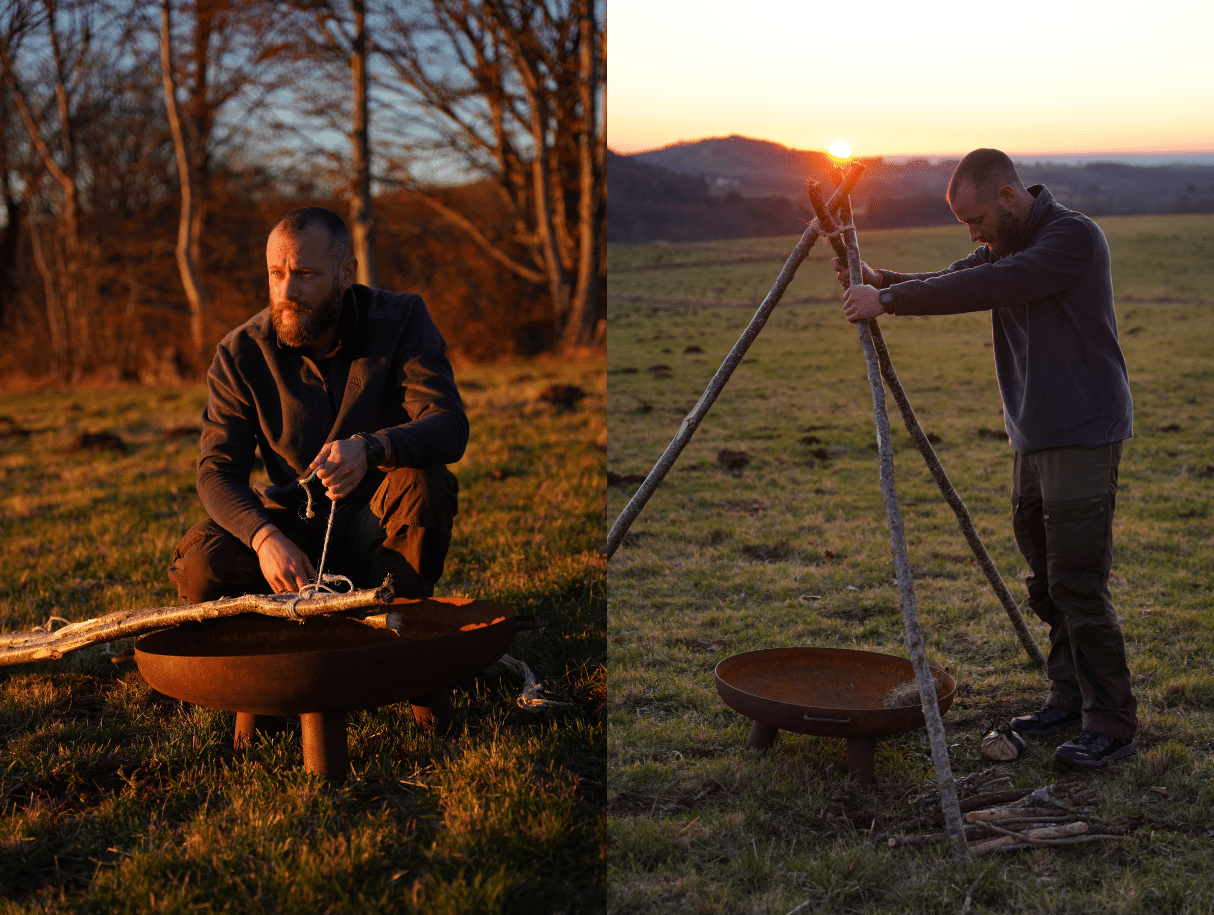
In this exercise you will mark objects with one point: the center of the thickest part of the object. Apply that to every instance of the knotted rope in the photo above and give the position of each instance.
(838, 231)
(531, 698)
(321, 585)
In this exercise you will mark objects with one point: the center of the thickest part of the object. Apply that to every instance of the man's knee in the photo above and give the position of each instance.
(417, 497)
(209, 563)
(415, 508)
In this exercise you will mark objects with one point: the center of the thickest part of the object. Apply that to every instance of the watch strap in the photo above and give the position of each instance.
(375, 448)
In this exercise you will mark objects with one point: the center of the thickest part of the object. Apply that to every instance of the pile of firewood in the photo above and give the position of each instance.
(1002, 818)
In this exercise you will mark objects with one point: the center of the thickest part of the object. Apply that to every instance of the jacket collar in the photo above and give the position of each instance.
(1043, 203)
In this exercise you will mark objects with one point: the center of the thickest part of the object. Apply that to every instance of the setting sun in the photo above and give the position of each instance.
(840, 150)
(682, 71)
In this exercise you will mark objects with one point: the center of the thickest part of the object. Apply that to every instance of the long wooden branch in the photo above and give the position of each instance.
(964, 521)
(693, 419)
(949, 802)
(23, 647)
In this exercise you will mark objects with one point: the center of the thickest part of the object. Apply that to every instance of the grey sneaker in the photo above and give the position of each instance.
(1091, 749)
(1046, 720)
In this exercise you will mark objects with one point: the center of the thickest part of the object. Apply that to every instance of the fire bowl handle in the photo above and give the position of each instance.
(828, 720)
(527, 624)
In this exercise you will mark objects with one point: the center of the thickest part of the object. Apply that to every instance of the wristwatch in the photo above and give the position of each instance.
(886, 298)
(375, 448)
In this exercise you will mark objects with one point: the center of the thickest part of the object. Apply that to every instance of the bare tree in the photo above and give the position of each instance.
(362, 213)
(512, 89)
(338, 41)
(13, 212)
(189, 227)
(234, 59)
(65, 257)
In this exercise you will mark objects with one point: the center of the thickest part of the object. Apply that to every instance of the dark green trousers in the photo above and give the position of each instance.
(1062, 513)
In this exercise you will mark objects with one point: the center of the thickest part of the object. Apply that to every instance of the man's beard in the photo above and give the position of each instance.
(308, 324)
(1007, 233)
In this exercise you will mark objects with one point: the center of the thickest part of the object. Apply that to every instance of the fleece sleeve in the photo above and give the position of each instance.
(435, 430)
(229, 442)
(1059, 260)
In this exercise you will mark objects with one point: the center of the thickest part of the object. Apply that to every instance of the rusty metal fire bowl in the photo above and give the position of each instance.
(826, 692)
(325, 667)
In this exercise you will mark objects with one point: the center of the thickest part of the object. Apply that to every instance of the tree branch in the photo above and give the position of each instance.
(23, 647)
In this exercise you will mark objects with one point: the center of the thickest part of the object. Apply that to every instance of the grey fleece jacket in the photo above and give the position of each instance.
(389, 373)
(1061, 371)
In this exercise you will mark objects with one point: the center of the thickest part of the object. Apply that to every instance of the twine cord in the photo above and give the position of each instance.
(532, 688)
(323, 581)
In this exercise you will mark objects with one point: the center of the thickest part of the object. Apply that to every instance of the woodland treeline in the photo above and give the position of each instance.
(148, 146)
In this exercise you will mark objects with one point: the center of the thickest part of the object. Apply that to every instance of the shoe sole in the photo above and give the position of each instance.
(1123, 753)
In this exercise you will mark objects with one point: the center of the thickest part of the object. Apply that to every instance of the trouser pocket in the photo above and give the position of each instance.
(1079, 543)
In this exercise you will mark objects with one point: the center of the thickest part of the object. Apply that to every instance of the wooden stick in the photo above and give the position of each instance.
(942, 481)
(964, 521)
(949, 803)
(693, 419)
(1046, 835)
(23, 647)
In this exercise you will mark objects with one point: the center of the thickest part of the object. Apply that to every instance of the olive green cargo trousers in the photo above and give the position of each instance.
(1062, 514)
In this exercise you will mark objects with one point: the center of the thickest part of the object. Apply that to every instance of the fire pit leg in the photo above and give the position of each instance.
(324, 744)
(761, 736)
(862, 759)
(435, 711)
(249, 724)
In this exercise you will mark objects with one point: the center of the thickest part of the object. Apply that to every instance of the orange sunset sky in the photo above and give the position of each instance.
(914, 78)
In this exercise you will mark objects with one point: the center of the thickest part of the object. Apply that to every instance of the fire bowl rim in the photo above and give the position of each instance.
(828, 721)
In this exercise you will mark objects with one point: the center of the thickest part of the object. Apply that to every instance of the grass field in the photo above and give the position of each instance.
(114, 798)
(793, 550)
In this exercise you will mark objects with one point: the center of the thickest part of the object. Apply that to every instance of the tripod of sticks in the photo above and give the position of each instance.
(842, 237)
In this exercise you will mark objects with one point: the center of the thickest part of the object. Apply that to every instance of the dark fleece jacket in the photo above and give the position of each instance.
(1061, 372)
(388, 374)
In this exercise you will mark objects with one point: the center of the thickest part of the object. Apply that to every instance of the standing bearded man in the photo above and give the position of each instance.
(344, 380)
(1043, 272)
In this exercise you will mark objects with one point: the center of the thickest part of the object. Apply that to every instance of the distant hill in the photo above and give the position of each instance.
(731, 187)
(647, 203)
(752, 168)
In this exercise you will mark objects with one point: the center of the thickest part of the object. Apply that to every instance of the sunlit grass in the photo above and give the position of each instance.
(114, 798)
(793, 550)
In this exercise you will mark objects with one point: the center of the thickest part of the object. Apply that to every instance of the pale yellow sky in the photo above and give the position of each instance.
(926, 78)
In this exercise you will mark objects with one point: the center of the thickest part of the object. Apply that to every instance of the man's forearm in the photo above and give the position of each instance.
(434, 438)
(232, 504)
(263, 534)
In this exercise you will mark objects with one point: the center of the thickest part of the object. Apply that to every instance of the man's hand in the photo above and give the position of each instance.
(871, 276)
(341, 466)
(861, 302)
(284, 565)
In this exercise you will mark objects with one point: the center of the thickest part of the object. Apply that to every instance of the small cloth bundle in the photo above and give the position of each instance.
(1001, 743)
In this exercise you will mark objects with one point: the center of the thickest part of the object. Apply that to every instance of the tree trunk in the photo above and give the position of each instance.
(55, 324)
(66, 275)
(585, 306)
(187, 222)
(362, 213)
(558, 285)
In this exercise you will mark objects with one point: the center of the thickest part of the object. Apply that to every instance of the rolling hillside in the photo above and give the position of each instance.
(733, 187)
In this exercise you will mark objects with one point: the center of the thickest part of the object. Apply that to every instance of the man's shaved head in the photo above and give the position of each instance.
(297, 222)
(989, 170)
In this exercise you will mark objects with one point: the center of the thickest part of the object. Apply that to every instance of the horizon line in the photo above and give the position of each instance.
(1039, 156)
